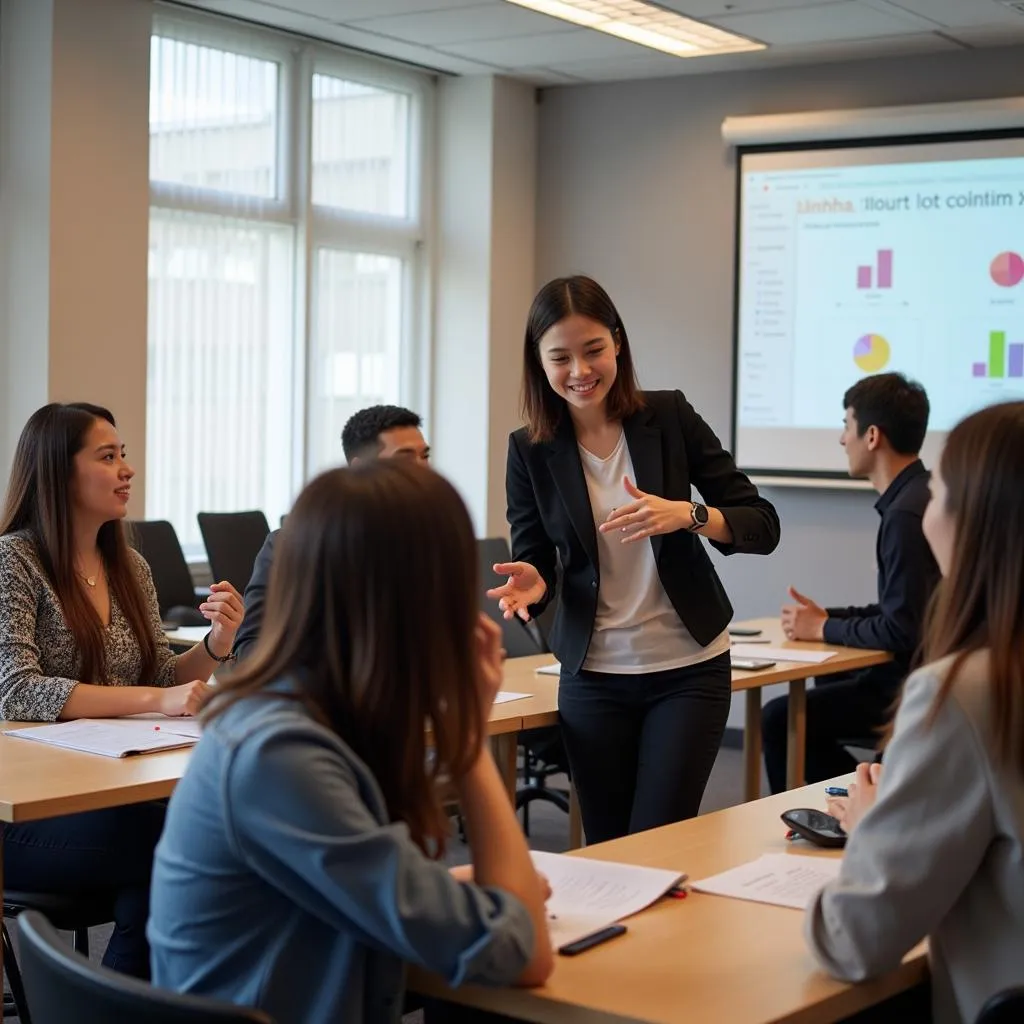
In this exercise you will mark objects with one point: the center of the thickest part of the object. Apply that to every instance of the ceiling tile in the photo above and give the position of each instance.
(552, 48)
(307, 25)
(718, 8)
(825, 23)
(349, 10)
(994, 35)
(656, 65)
(662, 65)
(465, 24)
(956, 13)
(857, 49)
(546, 77)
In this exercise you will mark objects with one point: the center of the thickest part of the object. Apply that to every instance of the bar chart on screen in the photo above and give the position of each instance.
(1003, 360)
(878, 275)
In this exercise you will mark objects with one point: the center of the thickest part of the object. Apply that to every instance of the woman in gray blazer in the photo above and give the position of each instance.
(936, 849)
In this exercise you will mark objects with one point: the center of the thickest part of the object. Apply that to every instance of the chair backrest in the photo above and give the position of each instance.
(233, 540)
(518, 639)
(1005, 1007)
(157, 542)
(62, 986)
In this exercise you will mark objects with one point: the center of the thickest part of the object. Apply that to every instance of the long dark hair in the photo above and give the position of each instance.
(980, 602)
(38, 503)
(371, 609)
(542, 408)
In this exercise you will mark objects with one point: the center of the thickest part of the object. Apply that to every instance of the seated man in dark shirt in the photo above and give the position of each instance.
(380, 432)
(884, 428)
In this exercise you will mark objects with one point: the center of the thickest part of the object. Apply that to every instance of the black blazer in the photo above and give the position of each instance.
(673, 450)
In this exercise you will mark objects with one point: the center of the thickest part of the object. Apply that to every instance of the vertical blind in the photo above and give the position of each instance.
(252, 369)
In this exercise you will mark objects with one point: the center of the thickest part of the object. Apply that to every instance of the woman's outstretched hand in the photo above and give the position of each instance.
(524, 587)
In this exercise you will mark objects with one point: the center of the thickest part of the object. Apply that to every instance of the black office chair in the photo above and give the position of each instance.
(543, 752)
(233, 540)
(520, 639)
(71, 913)
(65, 988)
(157, 542)
(1005, 1007)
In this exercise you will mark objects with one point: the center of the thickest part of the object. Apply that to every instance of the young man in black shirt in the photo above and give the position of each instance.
(885, 423)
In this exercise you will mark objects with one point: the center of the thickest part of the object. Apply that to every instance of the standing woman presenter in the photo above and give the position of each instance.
(600, 481)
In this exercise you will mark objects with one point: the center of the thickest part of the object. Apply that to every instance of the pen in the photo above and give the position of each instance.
(836, 791)
(591, 940)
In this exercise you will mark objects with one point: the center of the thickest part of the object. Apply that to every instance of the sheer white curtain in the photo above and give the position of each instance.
(285, 268)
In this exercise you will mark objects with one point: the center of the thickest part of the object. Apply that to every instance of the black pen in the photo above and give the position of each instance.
(591, 940)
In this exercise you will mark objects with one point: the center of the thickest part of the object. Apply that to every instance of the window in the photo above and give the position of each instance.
(360, 147)
(357, 340)
(286, 272)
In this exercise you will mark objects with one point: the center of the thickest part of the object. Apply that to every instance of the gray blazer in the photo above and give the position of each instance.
(281, 883)
(939, 855)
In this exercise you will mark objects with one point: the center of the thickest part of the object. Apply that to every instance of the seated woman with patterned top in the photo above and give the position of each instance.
(80, 637)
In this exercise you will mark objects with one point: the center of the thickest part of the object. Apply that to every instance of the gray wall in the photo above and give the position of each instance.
(636, 188)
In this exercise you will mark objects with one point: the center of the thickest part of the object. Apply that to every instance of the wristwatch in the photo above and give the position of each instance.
(699, 515)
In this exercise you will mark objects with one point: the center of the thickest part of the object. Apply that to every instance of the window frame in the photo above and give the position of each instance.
(409, 238)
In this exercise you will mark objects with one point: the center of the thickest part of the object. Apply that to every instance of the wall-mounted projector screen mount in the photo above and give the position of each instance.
(855, 258)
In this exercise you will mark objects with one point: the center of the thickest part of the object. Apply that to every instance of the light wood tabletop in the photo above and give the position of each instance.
(702, 959)
(40, 781)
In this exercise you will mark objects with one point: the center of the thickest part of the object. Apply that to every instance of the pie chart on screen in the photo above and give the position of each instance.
(1007, 269)
(871, 353)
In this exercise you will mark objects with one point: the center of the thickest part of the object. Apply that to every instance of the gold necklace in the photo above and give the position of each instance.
(91, 580)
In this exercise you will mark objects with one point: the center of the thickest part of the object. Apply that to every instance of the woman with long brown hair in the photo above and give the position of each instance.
(936, 842)
(300, 864)
(80, 637)
(600, 483)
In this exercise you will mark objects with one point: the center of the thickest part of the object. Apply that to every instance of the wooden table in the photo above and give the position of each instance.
(845, 659)
(39, 781)
(542, 707)
(702, 959)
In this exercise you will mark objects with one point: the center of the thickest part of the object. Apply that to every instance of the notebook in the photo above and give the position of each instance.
(114, 737)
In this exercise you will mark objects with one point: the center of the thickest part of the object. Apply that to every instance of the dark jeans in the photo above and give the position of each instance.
(96, 851)
(641, 747)
(840, 707)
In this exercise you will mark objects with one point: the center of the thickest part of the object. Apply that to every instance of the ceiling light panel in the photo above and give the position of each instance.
(646, 24)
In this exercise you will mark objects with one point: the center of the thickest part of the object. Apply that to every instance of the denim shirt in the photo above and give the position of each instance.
(280, 882)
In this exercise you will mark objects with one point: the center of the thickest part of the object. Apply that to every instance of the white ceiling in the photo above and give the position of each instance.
(492, 36)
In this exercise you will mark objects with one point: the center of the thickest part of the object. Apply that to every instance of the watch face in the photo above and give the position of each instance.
(700, 514)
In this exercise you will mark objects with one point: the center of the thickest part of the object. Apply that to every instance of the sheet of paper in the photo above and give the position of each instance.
(111, 737)
(782, 879)
(550, 670)
(177, 726)
(504, 696)
(187, 634)
(781, 653)
(587, 895)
